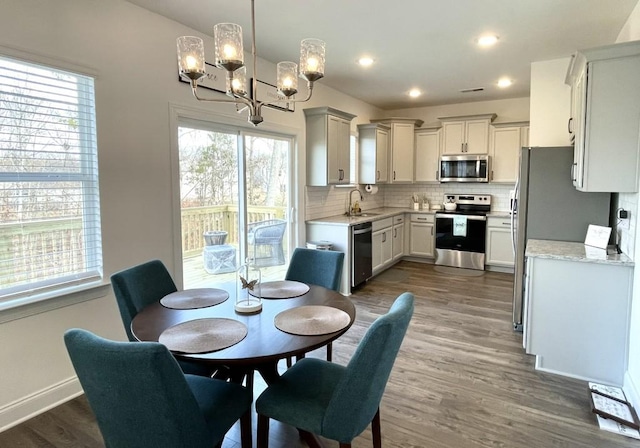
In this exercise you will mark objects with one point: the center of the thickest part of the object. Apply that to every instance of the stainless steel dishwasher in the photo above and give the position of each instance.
(361, 258)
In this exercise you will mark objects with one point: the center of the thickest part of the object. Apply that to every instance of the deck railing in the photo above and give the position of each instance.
(62, 237)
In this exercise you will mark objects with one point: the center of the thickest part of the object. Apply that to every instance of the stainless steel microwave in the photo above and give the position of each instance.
(464, 168)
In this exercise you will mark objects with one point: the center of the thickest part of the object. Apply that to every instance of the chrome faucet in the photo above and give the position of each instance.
(350, 211)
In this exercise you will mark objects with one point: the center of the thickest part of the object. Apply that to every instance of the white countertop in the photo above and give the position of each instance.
(564, 250)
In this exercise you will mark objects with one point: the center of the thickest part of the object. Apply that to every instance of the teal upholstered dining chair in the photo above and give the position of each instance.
(141, 398)
(142, 285)
(334, 401)
(316, 267)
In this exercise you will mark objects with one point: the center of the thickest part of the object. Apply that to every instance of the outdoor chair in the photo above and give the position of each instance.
(316, 267)
(142, 285)
(334, 401)
(266, 238)
(141, 399)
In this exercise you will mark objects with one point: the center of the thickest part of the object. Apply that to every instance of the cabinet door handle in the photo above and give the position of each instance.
(395, 233)
(506, 224)
(384, 237)
(573, 171)
(378, 175)
(340, 174)
(394, 175)
(491, 178)
(437, 175)
(421, 219)
(461, 147)
(569, 123)
(431, 231)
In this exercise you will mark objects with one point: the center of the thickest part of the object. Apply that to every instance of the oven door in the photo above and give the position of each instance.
(461, 240)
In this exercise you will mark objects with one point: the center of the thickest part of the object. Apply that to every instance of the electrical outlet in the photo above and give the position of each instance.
(623, 219)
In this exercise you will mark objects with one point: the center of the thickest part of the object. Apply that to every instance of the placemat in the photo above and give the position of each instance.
(194, 298)
(284, 289)
(311, 320)
(203, 335)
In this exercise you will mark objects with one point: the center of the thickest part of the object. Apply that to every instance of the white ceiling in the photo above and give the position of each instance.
(416, 43)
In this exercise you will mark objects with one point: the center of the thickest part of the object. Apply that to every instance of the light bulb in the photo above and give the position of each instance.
(312, 64)
(191, 63)
(287, 82)
(229, 51)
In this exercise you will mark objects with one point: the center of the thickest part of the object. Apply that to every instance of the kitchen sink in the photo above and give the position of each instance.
(364, 215)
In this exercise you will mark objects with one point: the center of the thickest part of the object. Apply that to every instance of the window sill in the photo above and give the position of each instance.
(42, 303)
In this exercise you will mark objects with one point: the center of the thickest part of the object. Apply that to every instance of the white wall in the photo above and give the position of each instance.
(631, 202)
(551, 105)
(133, 53)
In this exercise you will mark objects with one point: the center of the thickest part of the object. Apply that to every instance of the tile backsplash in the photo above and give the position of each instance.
(329, 201)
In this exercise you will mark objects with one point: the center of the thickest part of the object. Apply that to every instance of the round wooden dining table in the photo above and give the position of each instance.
(264, 344)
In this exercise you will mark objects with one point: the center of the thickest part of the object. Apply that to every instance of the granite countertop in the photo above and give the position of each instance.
(570, 251)
(368, 216)
(382, 213)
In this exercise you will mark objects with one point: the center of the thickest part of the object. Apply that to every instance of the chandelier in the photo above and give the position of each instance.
(229, 56)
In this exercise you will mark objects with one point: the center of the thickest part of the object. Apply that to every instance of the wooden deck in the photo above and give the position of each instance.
(195, 275)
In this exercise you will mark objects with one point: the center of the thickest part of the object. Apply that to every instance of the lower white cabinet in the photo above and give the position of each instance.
(577, 316)
(499, 246)
(421, 235)
(382, 244)
(398, 237)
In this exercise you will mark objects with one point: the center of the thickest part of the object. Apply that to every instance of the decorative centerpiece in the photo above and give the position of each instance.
(248, 289)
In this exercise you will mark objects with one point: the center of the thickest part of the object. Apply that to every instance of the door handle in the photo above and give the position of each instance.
(378, 175)
(569, 123)
(384, 237)
(461, 147)
(394, 174)
(573, 171)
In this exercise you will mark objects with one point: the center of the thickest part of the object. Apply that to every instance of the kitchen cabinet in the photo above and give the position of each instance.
(397, 247)
(421, 235)
(604, 124)
(499, 245)
(577, 311)
(466, 134)
(427, 154)
(328, 146)
(374, 153)
(506, 141)
(401, 148)
(382, 244)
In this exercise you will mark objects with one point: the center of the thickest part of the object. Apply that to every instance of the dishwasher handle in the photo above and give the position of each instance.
(362, 228)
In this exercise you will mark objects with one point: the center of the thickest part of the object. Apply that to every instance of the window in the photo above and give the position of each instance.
(49, 203)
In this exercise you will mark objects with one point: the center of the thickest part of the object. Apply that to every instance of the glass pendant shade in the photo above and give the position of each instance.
(238, 84)
(287, 78)
(229, 50)
(312, 59)
(248, 289)
(191, 57)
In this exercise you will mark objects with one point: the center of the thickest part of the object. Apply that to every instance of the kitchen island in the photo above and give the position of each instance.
(576, 310)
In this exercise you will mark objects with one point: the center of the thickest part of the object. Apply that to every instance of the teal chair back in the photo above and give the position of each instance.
(138, 393)
(138, 287)
(316, 267)
(356, 398)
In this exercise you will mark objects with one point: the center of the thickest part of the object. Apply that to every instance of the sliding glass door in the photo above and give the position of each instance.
(234, 196)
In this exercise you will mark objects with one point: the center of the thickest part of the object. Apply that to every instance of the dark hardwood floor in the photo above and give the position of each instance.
(461, 378)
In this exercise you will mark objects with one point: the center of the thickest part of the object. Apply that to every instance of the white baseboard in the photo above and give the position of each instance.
(38, 402)
(631, 390)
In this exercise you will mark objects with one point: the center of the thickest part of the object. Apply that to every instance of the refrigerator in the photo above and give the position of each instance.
(548, 207)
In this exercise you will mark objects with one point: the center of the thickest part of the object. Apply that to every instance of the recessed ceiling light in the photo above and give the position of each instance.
(415, 93)
(365, 61)
(487, 40)
(504, 82)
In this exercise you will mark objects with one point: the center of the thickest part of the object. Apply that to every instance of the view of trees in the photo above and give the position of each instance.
(209, 172)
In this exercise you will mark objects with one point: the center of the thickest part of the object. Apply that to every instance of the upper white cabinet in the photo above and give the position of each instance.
(605, 120)
(401, 148)
(466, 135)
(428, 142)
(328, 146)
(506, 141)
(374, 153)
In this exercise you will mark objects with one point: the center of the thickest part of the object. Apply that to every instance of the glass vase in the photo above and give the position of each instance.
(248, 289)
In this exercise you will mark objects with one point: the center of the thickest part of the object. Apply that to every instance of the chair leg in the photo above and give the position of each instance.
(263, 431)
(329, 351)
(245, 430)
(375, 430)
(289, 362)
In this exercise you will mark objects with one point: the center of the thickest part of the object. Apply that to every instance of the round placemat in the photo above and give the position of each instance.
(312, 320)
(203, 335)
(284, 289)
(194, 298)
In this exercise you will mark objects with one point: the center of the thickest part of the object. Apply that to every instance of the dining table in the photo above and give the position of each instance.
(264, 343)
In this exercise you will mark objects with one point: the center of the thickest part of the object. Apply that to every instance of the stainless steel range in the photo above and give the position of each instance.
(461, 233)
